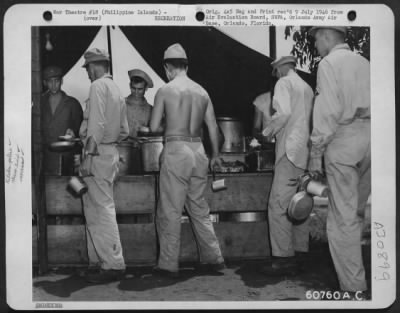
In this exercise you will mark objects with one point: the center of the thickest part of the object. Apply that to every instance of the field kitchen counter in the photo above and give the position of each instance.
(136, 197)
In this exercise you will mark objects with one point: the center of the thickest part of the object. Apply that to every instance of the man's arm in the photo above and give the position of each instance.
(97, 119)
(211, 123)
(158, 110)
(95, 129)
(327, 110)
(124, 127)
(257, 122)
(280, 103)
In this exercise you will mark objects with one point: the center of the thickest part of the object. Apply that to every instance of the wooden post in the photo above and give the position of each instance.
(37, 153)
(109, 48)
(272, 42)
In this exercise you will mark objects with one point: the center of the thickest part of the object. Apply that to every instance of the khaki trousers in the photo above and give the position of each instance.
(103, 240)
(348, 170)
(183, 179)
(286, 237)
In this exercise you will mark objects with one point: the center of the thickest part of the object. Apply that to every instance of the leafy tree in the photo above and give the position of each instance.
(358, 39)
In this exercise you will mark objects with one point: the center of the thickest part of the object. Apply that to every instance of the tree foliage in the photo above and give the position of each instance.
(358, 39)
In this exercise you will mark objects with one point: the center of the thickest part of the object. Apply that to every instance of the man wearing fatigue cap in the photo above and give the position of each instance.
(104, 125)
(61, 115)
(341, 135)
(138, 109)
(292, 102)
(184, 165)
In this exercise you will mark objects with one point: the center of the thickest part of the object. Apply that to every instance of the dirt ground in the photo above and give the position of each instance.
(240, 281)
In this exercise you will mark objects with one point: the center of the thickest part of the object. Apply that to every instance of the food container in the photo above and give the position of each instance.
(151, 150)
(232, 129)
(261, 160)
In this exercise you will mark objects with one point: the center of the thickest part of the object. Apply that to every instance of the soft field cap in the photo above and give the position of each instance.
(52, 71)
(283, 60)
(175, 51)
(94, 55)
(340, 29)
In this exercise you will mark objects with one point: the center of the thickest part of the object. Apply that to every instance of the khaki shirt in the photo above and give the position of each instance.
(343, 95)
(105, 115)
(290, 124)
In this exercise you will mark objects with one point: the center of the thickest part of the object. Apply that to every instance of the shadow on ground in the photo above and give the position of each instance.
(136, 279)
(63, 287)
(142, 279)
(317, 271)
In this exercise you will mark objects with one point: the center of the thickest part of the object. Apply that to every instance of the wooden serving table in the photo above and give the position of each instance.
(137, 196)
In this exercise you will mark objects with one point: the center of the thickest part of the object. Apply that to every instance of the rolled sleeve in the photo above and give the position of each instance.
(327, 110)
(97, 118)
(281, 104)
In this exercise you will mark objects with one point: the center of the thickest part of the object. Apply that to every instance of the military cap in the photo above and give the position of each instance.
(94, 55)
(139, 73)
(52, 71)
(281, 61)
(340, 29)
(175, 51)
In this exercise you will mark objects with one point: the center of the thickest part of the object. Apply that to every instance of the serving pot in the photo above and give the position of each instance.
(233, 131)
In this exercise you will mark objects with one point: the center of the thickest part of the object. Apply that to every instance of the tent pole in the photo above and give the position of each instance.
(272, 42)
(37, 155)
(109, 48)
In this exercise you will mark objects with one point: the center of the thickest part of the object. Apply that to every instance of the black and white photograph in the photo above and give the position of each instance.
(211, 166)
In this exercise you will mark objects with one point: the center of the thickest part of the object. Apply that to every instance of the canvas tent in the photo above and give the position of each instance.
(231, 63)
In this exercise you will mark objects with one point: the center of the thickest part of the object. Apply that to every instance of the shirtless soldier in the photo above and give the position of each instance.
(184, 165)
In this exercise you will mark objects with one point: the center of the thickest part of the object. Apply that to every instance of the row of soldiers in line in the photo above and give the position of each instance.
(340, 111)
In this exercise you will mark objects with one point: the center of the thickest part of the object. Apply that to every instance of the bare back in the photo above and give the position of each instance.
(185, 105)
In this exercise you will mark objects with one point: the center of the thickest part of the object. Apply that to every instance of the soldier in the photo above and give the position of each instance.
(342, 134)
(184, 164)
(60, 115)
(104, 125)
(292, 102)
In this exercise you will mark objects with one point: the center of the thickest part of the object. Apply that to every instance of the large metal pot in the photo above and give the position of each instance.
(151, 151)
(233, 131)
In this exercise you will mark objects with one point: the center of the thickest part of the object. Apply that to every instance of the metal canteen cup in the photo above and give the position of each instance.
(300, 206)
(78, 185)
(218, 185)
(317, 189)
